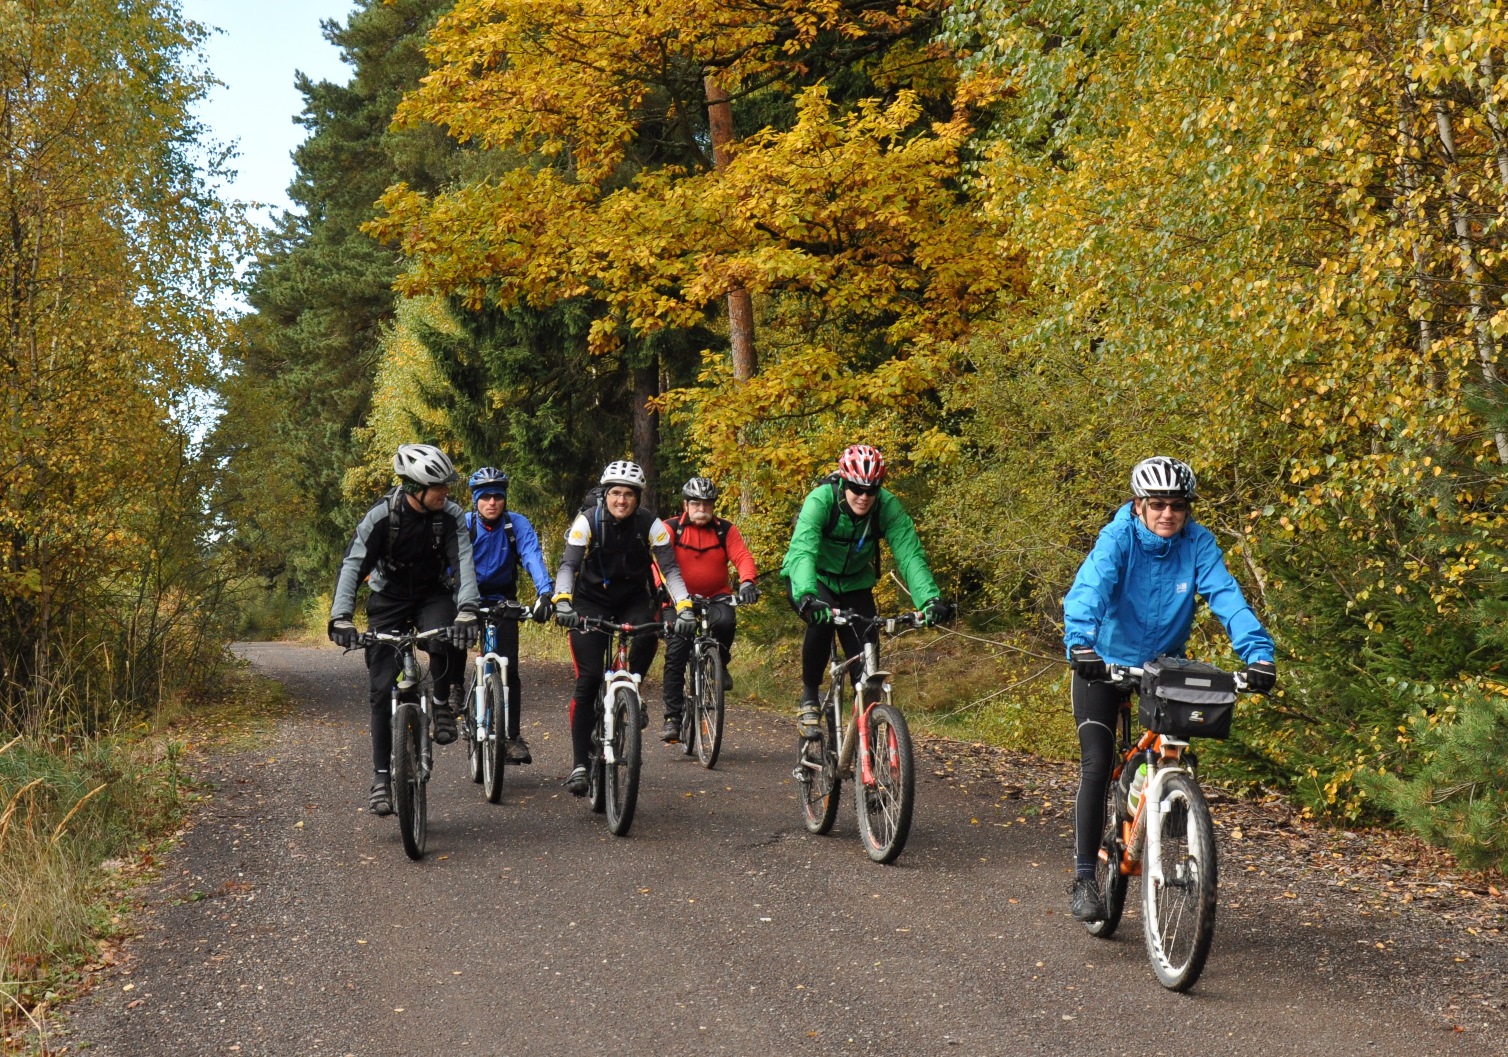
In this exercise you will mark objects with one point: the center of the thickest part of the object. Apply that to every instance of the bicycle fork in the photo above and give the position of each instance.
(480, 693)
(610, 714)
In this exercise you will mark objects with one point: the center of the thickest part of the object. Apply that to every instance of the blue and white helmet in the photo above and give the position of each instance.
(488, 481)
(1162, 477)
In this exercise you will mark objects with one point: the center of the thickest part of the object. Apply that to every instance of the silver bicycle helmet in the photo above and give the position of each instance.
(625, 473)
(421, 466)
(1163, 477)
(699, 488)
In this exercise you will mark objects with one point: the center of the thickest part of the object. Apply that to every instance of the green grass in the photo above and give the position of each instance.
(80, 819)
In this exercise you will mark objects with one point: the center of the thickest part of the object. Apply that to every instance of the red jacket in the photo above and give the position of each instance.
(702, 559)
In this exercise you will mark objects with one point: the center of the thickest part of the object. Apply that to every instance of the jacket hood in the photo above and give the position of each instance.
(1146, 539)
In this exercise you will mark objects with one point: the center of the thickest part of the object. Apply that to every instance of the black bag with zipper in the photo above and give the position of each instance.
(1186, 699)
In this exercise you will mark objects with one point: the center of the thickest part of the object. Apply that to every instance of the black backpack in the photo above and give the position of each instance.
(594, 509)
(869, 521)
(719, 526)
(471, 520)
(395, 500)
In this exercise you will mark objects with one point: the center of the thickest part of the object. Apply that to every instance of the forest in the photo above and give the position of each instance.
(1016, 244)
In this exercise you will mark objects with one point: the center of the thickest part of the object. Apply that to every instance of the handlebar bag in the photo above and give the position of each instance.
(1186, 699)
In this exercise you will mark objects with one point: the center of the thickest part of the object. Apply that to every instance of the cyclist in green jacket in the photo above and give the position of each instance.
(834, 561)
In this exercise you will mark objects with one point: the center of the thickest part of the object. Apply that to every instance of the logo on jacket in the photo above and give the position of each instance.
(1181, 589)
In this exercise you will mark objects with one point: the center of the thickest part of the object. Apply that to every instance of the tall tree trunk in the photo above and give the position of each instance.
(740, 307)
(647, 426)
(1476, 277)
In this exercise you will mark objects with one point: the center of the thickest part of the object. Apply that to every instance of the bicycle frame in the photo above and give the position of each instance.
(408, 689)
(872, 688)
(616, 674)
(489, 655)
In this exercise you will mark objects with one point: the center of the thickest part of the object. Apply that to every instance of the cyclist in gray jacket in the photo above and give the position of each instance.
(403, 547)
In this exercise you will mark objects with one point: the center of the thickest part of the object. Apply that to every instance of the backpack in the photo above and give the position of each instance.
(395, 499)
(594, 509)
(513, 560)
(719, 525)
(835, 481)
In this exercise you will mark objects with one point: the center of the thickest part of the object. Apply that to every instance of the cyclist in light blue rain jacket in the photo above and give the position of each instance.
(1133, 600)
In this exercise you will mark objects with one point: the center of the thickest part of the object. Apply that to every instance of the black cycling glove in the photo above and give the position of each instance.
(1087, 663)
(1261, 676)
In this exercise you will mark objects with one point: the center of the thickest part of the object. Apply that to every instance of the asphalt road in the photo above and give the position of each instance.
(289, 922)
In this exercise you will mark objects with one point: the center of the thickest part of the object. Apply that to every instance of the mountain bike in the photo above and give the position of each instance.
(413, 746)
(487, 719)
(1167, 838)
(875, 740)
(703, 712)
(617, 738)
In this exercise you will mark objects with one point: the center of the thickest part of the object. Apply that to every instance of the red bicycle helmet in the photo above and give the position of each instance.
(862, 465)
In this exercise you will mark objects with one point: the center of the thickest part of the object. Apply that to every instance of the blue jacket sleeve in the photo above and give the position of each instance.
(1087, 601)
(1219, 588)
(531, 555)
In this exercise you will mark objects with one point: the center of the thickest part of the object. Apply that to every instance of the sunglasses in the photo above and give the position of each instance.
(862, 489)
(1178, 506)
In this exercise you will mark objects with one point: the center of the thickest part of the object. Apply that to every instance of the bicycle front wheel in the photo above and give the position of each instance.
(470, 729)
(493, 738)
(1107, 868)
(622, 775)
(1178, 885)
(709, 706)
(408, 779)
(885, 802)
(817, 774)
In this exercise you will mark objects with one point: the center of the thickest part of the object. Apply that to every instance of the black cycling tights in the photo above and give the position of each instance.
(817, 643)
(1096, 708)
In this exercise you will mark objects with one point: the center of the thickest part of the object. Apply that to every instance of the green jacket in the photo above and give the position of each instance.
(844, 559)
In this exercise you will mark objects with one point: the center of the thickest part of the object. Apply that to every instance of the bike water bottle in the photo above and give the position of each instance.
(1138, 783)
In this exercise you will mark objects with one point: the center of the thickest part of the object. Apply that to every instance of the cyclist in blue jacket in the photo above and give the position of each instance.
(1133, 600)
(501, 541)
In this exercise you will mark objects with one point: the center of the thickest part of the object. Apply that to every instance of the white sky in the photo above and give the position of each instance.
(262, 44)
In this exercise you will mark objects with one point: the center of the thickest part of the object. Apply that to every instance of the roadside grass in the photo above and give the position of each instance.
(82, 820)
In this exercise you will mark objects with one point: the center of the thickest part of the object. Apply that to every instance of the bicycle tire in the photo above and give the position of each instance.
(622, 775)
(468, 723)
(688, 702)
(1107, 869)
(884, 808)
(709, 707)
(1178, 911)
(817, 774)
(596, 794)
(493, 738)
(408, 780)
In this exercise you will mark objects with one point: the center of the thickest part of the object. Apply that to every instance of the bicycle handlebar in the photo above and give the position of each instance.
(611, 626)
(893, 625)
(1125, 675)
(505, 610)
(404, 638)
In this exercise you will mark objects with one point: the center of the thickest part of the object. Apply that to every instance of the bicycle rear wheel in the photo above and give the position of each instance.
(470, 730)
(709, 706)
(1178, 885)
(1107, 868)
(408, 779)
(817, 774)
(623, 773)
(493, 738)
(885, 805)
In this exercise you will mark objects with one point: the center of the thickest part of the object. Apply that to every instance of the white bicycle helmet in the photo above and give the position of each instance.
(421, 466)
(626, 473)
(1163, 477)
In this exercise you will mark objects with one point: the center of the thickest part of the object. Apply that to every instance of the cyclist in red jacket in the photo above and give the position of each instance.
(704, 546)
